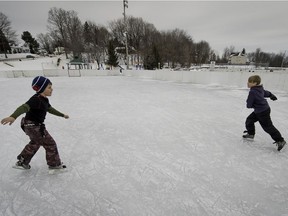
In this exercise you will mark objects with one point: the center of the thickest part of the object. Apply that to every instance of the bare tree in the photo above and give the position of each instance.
(150, 40)
(202, 52)
(96, 39)
(141, 35)
(117, 30)
(176, 47)
(45, 42)
(65, 27)
(227, 52)
(5, 27)
(56, 25)
(74, 30)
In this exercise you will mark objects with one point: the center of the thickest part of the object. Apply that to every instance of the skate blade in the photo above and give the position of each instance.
(248, 139)
(19, 167)
(56, 171)
(283, 149)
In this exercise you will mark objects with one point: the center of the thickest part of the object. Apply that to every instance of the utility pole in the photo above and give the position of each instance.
(125, 5)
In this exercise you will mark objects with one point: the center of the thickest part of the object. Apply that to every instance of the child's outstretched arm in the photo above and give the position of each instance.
(19, 111)
(57, 113)
(270, 95)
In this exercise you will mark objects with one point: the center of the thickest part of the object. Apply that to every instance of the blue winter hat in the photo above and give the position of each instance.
(39, 83)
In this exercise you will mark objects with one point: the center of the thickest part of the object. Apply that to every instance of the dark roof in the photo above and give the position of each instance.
(237, 54)
(76, 61)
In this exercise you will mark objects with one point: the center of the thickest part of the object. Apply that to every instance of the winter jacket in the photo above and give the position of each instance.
(256, 99)
(36, 108)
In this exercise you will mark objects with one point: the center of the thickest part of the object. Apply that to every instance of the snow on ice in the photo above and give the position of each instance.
(139, 147)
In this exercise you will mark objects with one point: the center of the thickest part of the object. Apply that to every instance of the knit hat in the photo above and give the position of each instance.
(39, 83)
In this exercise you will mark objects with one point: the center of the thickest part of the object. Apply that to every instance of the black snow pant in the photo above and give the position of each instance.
(265, 122)
(39, 136)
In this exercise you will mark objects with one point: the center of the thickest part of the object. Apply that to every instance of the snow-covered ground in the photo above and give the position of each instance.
(139, 147)
(20, 62)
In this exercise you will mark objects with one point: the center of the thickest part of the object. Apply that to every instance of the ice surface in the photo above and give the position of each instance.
(139, 147)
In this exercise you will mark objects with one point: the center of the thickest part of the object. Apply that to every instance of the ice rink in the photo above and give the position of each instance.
(140, 147)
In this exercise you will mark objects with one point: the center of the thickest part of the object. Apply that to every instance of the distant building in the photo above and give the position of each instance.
(77, 64)
(238, 58)
(59, 50)
(23, 48)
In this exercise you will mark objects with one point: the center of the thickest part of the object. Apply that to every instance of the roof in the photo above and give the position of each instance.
(76, 61)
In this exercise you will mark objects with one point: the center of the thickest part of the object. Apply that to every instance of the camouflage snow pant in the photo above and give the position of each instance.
(39, 136)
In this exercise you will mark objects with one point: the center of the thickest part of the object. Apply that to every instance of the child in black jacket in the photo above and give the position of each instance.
(256, 100)
(33, 125)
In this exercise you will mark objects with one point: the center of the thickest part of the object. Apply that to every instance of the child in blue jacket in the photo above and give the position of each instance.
(256, 100)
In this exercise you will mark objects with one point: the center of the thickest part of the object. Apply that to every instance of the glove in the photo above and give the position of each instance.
(273, 97)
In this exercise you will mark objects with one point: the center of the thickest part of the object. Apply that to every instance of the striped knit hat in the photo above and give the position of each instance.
(39, 83)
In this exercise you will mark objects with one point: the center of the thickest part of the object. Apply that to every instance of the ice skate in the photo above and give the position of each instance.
(57, 169)
(61, 166)
(280, 145)
(21, 165)
(248, 136)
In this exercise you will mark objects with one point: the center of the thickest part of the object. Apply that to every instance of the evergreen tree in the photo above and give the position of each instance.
(87, 33)
(33, 44)
(153, 60)
(4, 44)
(112, 57)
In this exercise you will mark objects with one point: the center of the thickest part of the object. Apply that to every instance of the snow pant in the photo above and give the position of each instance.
(265, 122)
(39, 136)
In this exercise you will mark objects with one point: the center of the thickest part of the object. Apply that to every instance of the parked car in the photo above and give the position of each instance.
(30, 56)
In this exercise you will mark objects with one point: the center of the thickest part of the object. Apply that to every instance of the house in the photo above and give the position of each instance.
(238, 58)
(23, 48)
(59, 50)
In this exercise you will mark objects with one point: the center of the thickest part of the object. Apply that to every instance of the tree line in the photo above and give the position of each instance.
(152, 47)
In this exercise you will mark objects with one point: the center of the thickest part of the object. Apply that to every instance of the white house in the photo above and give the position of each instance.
(59, 50)
(238, 58)
(23, 48)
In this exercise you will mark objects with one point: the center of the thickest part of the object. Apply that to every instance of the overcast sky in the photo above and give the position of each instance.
(242, 24)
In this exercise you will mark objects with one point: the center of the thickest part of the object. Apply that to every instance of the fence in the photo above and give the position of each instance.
(57, 72)
(277, 80)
